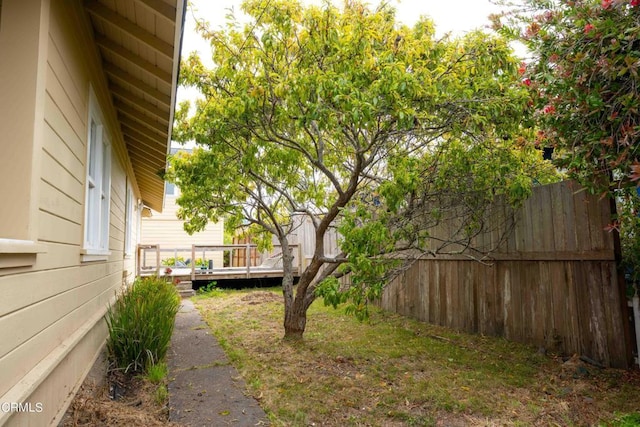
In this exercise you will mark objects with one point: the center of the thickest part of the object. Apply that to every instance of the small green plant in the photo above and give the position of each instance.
(200, 262)
(161, 394)
(157, 372)
(140, 324)
(208, 288)
(171, 262)
(626, 420)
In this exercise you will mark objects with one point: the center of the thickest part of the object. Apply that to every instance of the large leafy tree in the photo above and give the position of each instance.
(355, 122)
(584, 80)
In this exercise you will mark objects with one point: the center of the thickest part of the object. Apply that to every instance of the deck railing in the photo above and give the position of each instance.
(147, 266)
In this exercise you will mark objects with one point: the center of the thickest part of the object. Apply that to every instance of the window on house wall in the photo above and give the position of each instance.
(98, 184)
(128, 225)
(169, 189)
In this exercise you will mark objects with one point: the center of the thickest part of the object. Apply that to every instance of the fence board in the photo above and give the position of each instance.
(547, 221)
(559, 215)
(615, 330)
(450, 293)
(534, 215)
(552, 283)
(581, 212)
(470, 288)
(546, 297)
(423, 283)
(559, 307)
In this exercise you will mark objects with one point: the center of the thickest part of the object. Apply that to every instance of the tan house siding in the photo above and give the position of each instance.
(23, 32)
(51, 313)
(166, 230)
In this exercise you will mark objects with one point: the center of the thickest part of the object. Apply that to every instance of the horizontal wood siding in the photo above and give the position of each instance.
(62, 383)
(554, 283)
(58, 318)
(60, 296)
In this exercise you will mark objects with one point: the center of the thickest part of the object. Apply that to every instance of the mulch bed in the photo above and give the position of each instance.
(124, 400)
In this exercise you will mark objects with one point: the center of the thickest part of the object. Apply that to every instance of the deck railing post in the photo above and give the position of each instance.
(157, 260)
(138, 267)
(247, 257)
(193, 263)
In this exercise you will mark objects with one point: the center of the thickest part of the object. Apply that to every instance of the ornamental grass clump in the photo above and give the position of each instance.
(141, 323)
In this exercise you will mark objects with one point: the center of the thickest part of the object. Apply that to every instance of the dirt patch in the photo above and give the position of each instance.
(259, 297)
(122, 400)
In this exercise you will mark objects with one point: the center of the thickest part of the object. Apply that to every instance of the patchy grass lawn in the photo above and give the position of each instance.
(393, 371)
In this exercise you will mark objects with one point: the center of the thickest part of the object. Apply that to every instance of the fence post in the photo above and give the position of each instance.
(622, 289)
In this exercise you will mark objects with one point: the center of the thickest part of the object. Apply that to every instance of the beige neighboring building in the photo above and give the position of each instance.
(88, 93)
(165, 229)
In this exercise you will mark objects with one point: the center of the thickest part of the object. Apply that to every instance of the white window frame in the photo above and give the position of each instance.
(98, 186)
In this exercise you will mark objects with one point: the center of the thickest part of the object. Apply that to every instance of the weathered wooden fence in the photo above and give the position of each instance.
(239, 256)
(553, 282)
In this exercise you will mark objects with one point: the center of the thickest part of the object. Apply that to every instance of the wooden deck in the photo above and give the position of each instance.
(227, 273)
(270, 267)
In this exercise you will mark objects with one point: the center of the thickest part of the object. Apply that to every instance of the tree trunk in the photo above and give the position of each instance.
(295, 320)
(295, 314)
(295, 309)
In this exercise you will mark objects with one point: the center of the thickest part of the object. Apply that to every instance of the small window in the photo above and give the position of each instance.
(169, 189)
(98, 185)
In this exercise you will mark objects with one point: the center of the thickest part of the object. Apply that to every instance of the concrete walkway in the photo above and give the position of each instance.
(204, 389)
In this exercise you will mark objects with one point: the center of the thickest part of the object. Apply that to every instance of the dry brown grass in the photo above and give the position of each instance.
(393, 371)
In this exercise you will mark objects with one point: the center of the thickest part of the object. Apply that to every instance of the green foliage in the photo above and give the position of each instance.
(628, 224)
(348, 118)
(140, 324)
(365, 240)
(170, 262)
(626, 420)
(208, 288)
(161, 395)
(199, 262)
(584, 84)
(157, 372)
